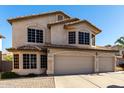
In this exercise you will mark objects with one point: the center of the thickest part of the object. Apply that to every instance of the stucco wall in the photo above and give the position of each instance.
(19, 28)
(56, 35)
(53, 52)
(22, 71)
(59, 35)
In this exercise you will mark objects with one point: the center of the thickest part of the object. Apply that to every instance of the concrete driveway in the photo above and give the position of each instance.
(103, 80)
(35, 82)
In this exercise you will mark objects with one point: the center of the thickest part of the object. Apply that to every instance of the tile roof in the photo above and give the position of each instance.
(10, 20)
(64, 21)
(44, 47)
(99, 48)
(28, 48)
(83, 21)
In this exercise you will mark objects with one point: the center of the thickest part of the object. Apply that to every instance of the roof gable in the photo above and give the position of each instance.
(36, 15)
(86, 22)
(63, 21)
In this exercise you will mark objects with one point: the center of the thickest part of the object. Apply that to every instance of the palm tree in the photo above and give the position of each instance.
(120, 41)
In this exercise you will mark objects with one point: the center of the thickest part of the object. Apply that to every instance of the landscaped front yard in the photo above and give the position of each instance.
(103, 80)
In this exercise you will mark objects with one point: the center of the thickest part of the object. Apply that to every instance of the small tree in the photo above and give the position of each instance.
(120, 41)
(8, 58)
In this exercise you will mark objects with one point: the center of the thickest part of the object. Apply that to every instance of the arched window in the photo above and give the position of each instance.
(35, 35)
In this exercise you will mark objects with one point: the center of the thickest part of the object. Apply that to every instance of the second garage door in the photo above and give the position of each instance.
(73, 64)
(106, 64)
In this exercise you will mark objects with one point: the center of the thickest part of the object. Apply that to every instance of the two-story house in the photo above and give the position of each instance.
(55, 43)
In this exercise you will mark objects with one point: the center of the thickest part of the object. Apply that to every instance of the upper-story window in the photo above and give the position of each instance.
(72, 37)
(84, 38)
(35, 35)
(93, 40)
(60, 17)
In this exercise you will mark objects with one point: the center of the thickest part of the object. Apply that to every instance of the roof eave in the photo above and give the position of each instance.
(83, 49)
(2, 37)
(85, 21)
(63, 21)
(80, 48)
(15, 50)
(29, 16)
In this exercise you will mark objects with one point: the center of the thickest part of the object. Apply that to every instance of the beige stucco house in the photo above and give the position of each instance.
(55, 43)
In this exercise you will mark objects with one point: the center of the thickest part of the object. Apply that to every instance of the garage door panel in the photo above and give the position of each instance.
(106, 64)
(73, 64)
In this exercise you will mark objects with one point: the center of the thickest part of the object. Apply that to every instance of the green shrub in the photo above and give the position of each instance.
(7, 75)
(8, 58)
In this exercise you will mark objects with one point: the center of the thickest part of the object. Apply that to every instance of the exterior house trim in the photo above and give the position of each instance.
(63, 21)
(36, 15)
(80, 48)
(84, 21)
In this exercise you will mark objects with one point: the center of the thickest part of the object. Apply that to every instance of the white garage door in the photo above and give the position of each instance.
(106, 64)
(73, 64)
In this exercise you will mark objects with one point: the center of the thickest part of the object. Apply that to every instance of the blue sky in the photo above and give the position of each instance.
(110, 19)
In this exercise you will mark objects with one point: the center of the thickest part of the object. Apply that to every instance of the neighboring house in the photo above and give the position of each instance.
(5, 54)
(6, 64)
(122, 52)
(1, 51)
(55, 43)
(120, 57)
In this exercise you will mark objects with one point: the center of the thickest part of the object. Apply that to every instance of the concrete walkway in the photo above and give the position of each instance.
(36, 82)
(103, 80)
(72, 82)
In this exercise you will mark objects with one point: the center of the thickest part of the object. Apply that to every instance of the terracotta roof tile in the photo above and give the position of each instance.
(82, 21)
(81, 48)
(10, 20)
(28, 47)
(44, 47)
(63, 21)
